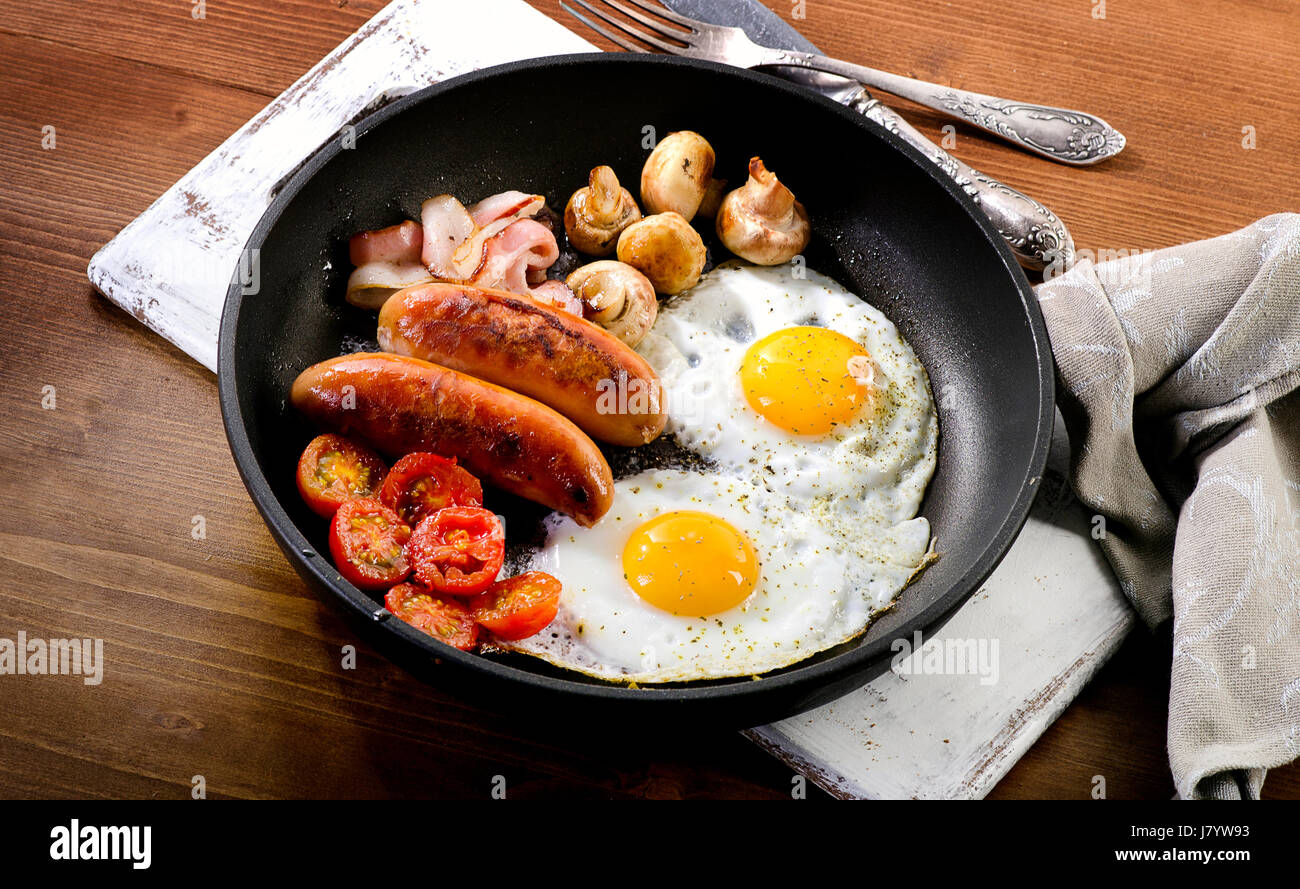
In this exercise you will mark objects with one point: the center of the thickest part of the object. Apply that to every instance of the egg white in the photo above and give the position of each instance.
(832, 518)
(816, 587)
(884, 459)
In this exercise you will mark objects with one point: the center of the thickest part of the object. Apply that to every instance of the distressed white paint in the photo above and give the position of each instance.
(1053, 604)
(171, 266)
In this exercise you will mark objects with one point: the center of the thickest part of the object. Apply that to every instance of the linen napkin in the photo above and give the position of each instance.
(1177, 377)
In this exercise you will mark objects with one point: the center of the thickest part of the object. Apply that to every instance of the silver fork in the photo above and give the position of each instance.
(1070, 137)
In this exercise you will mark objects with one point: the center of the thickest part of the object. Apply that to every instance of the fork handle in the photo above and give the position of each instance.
(1071, 137)
(1036, 236)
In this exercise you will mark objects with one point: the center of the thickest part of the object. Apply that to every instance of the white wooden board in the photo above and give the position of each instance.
(170, 266)
(1053, 606)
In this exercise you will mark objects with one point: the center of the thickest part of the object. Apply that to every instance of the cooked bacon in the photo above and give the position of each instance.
(557, 294)
(506, 205)
(523, 246)
(453, 243)
(516, 259)
(447, 225)
(456, 238)
(395, 244)
(386, 260)
(370, 285)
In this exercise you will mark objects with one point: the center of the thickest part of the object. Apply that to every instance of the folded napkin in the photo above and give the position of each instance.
(1177, 377)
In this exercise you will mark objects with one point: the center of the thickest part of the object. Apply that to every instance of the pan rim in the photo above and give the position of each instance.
(858, 660)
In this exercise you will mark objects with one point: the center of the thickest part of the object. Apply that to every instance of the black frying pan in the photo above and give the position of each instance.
(887, 224)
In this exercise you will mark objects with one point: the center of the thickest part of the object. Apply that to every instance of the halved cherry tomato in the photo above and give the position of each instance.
(458, 550)
(442, 617)
(420, 484)
(333, 469)
(367, 540)
(518, 607)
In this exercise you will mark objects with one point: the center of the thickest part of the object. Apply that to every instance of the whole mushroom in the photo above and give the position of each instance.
(596, 215)
(677, 174)
(761, 221)
(665, 249)
(712, 200)
(617, 297)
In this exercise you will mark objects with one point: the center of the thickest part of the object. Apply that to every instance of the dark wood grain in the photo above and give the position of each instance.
(219, 662)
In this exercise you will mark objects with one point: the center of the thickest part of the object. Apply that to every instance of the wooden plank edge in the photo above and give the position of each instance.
(1022, 730)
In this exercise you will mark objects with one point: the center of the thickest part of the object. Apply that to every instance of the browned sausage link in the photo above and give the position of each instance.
(398, 405)
(576, 367)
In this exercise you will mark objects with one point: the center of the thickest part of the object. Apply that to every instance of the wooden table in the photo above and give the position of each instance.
(220, 663)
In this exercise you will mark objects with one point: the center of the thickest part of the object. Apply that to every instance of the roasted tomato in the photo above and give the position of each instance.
(518, 607)
(420, 484)
(334, 469)
(458, 550)
(367, 540)
(442, 617)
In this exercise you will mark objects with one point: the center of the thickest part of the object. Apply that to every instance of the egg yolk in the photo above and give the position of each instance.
(807, 380)
(690, 563)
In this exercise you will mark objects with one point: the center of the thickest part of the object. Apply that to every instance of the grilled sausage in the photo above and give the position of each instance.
(576, 367)
(398, 405)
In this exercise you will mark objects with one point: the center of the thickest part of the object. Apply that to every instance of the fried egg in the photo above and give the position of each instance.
(800, 383)
(818, 433)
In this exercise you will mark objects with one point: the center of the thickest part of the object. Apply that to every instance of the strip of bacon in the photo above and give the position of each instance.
(386, 260)
(522, 246)
(506, 205)
(455, 238)
(517, 259)
(557, 294)
(458, 244)
(370, 285)
(397, 243)
(447, 225)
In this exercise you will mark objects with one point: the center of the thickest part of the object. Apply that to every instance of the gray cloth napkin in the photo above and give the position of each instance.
(1177, 377)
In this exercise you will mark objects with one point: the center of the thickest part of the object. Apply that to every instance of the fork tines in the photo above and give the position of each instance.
(652, 37)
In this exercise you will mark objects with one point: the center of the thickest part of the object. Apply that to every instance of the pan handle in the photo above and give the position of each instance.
(1039, 240)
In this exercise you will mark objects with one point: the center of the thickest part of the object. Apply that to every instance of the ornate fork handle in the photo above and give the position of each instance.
(1071, 137)
(1036, 236)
